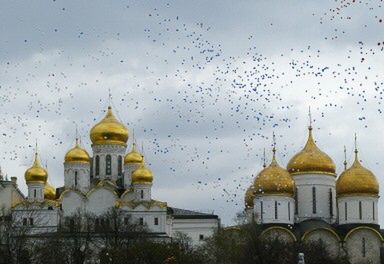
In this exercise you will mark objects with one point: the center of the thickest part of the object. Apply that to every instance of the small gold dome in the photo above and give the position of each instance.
(142, 175)
(274, 180)
(357, 180)
(311, 160)
(109, 131)
(133, 156)
(49, 192)
(249, 196)
(36, 173)
(77, 155)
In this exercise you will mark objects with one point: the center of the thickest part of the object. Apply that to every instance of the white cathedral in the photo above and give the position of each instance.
(308, 202)
(110, 178)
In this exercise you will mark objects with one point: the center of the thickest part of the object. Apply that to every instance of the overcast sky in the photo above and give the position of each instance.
(202, 83)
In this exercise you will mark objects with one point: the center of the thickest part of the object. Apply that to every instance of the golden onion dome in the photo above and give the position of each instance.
(274, 180)
(36, 173)
(142, 175)
(49, 192)
(311, 160)
(357, 180)
(133, 156)
(249, 196)
(77, 155)
(109, 131)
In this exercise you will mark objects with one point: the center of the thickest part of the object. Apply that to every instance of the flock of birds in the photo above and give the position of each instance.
(193, 104)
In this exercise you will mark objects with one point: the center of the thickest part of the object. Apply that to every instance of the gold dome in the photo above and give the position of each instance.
(77, 155)
(133, 156)
(357, 180)
(36, 173)
(249, 196)
(109, 131)
(49, 192)
(142, 175)
(274, 180)
(311, 160)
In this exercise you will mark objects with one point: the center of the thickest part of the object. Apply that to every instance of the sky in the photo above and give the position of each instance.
(202, 84)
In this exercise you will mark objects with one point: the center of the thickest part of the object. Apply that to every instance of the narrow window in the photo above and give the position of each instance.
(296, 202)
(360, 210)
(276, 210)
(346, 211)
(126, 220)
(373, 211)
(156, 221)
(71, 225)
(289, 210)
(142, 194)
(314, 199)
(261, 210)
(97, 169)
(25, 221)
(201, 237)
(31, 221)
(141, 221)
(330, 203)
(108, 165)
(120, 165)
(75, 178)
(34, 193)
(363, 247)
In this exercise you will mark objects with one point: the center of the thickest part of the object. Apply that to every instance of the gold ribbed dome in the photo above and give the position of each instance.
(311, 160)
(357, 180)
(142, 175)
(109, 131)
(133, 156)
(49, 192)
(36, 173)
(77, 155)
(274, 180)
(249, 196)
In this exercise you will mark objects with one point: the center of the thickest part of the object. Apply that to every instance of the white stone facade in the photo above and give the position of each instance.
(274, 209)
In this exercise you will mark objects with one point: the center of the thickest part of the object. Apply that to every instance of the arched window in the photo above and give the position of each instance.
(360, 210)
(314, 199)
(34, 193)
(296, 202)
(97, 165)
(261, 210)
(76, 178)
(346, 211)
(108, 169)
(330, 202)
(289, 210)
(141, 194)
(363, 247)
(276, 210)
(120, 165)
(373, 211)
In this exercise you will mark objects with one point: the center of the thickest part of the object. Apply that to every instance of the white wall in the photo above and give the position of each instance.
(102, 151)
(192, 228)
(369, 210)
(323, 184)
(83, 176)
(285, 209)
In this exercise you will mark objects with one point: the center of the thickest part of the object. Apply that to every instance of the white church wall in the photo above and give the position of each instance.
(328, 237)
(323, 184)
(154, 218)
(102, 151)
(83, 176)
(274, 209)
(196, 229)
(277, 232)
(72, 202)
(358, 210)
(100, 200)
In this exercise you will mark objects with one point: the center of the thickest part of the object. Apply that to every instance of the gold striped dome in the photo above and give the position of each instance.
(49, 192)
(357, 180)
(133, 156)
(274, 180)
(249, 196)
(142, 175)
(77, 155)
(311, 160)
(36, 173)
(109, 131)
